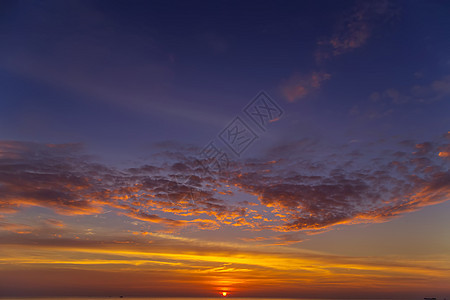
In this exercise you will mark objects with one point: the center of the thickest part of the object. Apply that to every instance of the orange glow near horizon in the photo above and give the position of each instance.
(243, 268)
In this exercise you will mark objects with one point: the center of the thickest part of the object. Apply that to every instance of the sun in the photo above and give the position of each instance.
(224, 294)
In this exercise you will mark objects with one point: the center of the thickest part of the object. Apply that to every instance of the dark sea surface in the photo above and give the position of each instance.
(171, 298)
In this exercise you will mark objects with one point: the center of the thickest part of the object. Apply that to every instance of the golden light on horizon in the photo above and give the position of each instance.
(224, 294)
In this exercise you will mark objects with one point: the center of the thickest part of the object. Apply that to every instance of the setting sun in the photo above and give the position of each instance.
(224, 294)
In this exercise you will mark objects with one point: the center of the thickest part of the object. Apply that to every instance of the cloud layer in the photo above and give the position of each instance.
(355, 28)
(294, 187)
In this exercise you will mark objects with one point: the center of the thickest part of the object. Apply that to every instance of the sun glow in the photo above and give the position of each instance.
(224, 294)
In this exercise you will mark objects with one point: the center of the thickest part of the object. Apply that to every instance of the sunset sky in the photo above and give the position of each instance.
(259, 148)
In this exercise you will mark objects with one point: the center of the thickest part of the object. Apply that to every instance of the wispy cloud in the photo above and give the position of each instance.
(352, 31)
(299, 86)
(134, 71)
(199, 267)
(355, 28)
(390, 100)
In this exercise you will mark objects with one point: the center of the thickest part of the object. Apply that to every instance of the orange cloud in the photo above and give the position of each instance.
(17, 228)
(444, 154)
(444, 151)
(203, 268)
(312, 197)
(299, 86)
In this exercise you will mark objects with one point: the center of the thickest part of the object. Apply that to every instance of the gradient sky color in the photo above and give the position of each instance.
(107, 106)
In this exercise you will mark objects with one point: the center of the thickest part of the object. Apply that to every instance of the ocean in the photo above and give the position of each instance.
(185, 298)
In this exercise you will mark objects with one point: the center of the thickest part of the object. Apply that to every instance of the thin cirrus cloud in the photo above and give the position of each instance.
(433, 91)
(352, 31)
(384, 103)
(355, 28)
(201, 266)
(298, 86)
(302, 193)
(133, 72)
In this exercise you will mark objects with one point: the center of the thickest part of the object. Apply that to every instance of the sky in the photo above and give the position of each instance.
(287, 149)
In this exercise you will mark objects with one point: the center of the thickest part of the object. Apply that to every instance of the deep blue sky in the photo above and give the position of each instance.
(130, 73)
